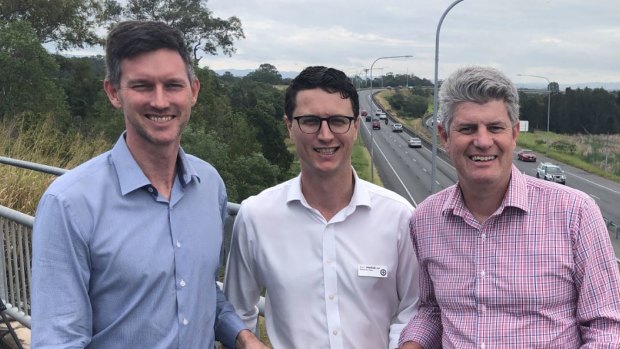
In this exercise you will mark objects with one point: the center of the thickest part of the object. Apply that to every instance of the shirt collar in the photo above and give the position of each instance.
(130, 175)
(516, 196)
(360, 197)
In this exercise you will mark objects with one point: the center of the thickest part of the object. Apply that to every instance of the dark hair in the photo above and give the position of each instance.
(132, 38)
(328, 79)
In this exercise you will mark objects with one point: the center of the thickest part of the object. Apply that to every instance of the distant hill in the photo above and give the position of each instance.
(244, 72)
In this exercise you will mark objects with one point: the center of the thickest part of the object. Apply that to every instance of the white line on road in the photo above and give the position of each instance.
(594, 183)
(415, 204)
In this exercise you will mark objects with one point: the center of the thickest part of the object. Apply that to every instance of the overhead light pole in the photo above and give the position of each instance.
(548, 94)
(372, 143)
(434, 157)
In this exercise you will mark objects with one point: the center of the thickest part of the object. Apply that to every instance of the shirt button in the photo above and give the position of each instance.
(150, 189)
(482, 308)
(182, 283)
(178, 243)
(185, 322)
(335, 332)
(483, 274)
(483, 236)
(482, 346)
(331, 297)
(328, 261)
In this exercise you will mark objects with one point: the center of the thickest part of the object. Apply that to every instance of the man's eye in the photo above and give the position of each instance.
(495, 129)
(465, 130)
(175, 87)
(309, 121)
(141, 87)
(336, 121)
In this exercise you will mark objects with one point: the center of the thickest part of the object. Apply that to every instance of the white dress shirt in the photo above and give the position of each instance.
(351, 282)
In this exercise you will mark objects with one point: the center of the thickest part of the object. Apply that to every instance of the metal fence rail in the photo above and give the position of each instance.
(15, 248)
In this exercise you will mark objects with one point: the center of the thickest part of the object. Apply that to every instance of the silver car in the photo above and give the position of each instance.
(414, 142)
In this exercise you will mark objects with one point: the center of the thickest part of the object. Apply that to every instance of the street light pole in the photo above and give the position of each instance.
(435, 104)
(372, 140)
(548, 94)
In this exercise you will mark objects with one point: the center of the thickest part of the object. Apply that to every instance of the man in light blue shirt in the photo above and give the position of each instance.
(126, 246)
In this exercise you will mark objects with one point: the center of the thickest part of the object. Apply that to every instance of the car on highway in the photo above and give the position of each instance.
(364, 113)
(397, 128)
(551, 172)
(378, 112)
(382, 116)
(376, 124)
(526, 155)
(414, 142)
(368, 118)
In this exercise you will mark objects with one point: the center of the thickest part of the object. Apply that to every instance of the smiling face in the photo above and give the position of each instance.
(323, 153)
(156, 96)
(480, 143)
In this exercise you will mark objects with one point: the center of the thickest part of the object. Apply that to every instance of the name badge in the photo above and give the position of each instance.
(375, 271)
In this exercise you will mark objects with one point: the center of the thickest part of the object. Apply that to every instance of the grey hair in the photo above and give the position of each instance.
(479, 85)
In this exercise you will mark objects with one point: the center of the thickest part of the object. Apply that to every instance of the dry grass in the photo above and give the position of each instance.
(39, 142)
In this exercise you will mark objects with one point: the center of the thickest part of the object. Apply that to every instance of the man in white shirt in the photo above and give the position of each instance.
(331, 250)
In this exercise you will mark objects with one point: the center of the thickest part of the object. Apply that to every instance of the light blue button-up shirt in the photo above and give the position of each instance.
(116, 265)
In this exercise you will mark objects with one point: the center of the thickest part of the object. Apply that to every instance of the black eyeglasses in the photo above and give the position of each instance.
(338, 124)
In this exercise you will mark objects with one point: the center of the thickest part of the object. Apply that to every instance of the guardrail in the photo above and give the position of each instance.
(15, 249)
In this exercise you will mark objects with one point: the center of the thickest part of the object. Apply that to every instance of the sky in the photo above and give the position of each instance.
(566, 41)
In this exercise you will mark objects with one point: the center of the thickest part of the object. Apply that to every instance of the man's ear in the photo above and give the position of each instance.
(112, 93)
(195, 89)
(442, 132)
(288, 124)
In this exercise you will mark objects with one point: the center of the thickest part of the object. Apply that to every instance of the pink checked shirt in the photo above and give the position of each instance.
(539, 273)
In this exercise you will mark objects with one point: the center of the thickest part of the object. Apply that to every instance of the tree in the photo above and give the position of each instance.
(66, 23)
(203, 32)
(266, 73)
(27, 81)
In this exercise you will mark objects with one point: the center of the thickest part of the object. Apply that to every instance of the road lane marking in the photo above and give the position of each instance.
(415, 204)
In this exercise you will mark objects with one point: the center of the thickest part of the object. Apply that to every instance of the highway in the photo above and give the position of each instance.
(407, 171)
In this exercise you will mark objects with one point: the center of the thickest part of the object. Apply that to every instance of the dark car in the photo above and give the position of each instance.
(376, 124)
(526, 155)
(368, 118)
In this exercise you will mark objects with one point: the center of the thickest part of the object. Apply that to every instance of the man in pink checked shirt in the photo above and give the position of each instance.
(507, 260)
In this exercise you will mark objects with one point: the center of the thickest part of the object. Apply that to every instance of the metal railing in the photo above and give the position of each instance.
(16, 248)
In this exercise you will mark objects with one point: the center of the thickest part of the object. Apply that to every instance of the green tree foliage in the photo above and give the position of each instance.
(395, 80)
(266, 73)
(408, 105)
(27, 81)
(66, 23)
(263, 107)
(204, 32)
(590, 111)
(81, 78)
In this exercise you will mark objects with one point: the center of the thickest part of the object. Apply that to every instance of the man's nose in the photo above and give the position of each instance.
(324, 130)
(484, 138)
(159, 98)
